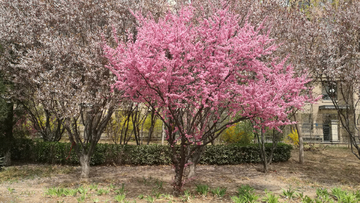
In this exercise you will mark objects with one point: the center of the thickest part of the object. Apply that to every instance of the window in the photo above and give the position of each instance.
(329, 90)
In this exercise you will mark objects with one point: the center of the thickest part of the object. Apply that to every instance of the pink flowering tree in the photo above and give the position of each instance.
(204, 73)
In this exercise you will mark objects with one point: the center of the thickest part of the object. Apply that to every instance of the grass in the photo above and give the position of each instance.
(121, 190)
(14, 173)
(219, 192)
(289, 193)
(120, 198)
(202, 189)
(270, 198)
(246, 194)
(318, 184)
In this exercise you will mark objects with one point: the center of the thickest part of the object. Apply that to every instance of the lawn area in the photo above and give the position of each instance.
(329, 168)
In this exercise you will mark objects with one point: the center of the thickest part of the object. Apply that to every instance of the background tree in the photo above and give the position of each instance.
(337, 53)
(60, 61)
(195, 69)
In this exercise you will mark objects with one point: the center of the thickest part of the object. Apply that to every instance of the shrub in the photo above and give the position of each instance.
(294, 137)
(59, 153)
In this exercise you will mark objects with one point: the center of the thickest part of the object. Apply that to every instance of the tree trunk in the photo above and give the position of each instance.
(179, 163)
(193, 161)
(7, 159)
(6, 135)
(163, 134)
(263, 149)
(301, 143)
(85, 165)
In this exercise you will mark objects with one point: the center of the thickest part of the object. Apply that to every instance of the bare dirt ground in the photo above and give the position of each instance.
(323, 168)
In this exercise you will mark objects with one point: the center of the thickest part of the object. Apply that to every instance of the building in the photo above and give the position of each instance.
(320, 122)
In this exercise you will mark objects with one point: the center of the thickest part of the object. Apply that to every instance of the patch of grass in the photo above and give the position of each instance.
(159, 184)
(11, 190)
(27, 193)
(14, 173)
(102, 191)
(186, 196)
(157, 194)
(245, 195)
(270, 198)
(168, 196)
(344, 196)
(121, 190)
(150, 199)
(146, 181)
(289, 193)
(70, 192)
(82, 190)
(202, 189)
(59, 192)
(111, 186)
(220, 192)
(304, 199)
(81, 198)
(320, 192)
(120, 198)
(93, 186)
(55, 192)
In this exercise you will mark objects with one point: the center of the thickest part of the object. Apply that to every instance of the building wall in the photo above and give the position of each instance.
(319, 122)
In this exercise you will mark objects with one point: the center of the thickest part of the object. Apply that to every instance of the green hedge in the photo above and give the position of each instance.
(57, 153)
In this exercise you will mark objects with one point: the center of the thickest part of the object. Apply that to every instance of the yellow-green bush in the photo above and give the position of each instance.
(237, 134)
(293, 137)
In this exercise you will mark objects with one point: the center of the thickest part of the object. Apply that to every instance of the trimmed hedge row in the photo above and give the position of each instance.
(58, 153)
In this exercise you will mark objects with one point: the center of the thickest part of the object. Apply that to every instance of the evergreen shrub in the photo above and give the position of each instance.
(59, 153)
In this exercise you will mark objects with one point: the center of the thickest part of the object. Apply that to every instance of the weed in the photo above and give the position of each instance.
(202, 189)
(121, 190)
(323, 195)
(93, 186)
(157, 194)
(159, 184)
(289, 193)
(27, 193)
(70, 192)
(11, 190)
(270, 198)
(96, 200)
(344, 196)
(304, 199)
(186, 196)
(82, 190)
(103, 191)
(168, 196)
(220, 192)
(120, 198)
(55, 192)
(145, 181)
(141, 196)
(112, 186)
(81, 198)
(245, 195)
(150, 199)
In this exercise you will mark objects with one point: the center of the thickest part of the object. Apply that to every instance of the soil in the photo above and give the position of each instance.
(323, 168)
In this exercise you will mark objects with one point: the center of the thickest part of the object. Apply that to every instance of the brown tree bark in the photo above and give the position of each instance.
(301, 143)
